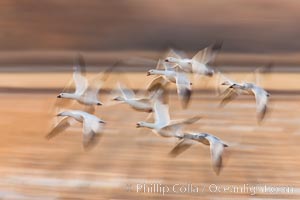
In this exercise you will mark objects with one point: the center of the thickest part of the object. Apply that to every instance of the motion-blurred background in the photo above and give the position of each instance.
(44, 32)
(38, 43)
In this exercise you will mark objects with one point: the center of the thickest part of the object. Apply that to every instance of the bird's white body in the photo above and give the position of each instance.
(198, 64)
(85, 93)
(216, 147)
(162, 125)
(235, 89)
(169, 74)
(92, 125)
(128, 96)
(81, 116)
(192, 66)
(81, 98)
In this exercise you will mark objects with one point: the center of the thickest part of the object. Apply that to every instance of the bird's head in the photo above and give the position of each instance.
(170, 60)
(140, 124)
(233, 85)
(226, 83)
(151, 72)
(118, 98)
(61, 95)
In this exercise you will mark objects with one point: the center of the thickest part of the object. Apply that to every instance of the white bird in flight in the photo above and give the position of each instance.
(198, 64)
(143, 104)
(85, 92)
(92, 126)
(235, 89)
(216, 147)
(167, 74)
(163, 126)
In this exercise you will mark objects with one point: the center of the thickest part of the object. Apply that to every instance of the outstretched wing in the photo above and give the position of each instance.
(182, 146)
(216, 152)
(208, 54)
(81, 83)
(223, 80)
(262, 70)
(93, 89)
(156, 82)
(97, 82)
(174, 54)
(126, 93)
(261, 97)
(91, 132)
(161, 113)
(228, 95)
(174, 128)
(184, 90)
(159, 92)
(60, 127)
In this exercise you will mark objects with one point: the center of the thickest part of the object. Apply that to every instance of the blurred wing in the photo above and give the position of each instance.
(261, 97)
(160, 65)
(60, 127)
(183, 89)
(160, 93)
(156, 82)
(161, 113)
(262, 70)
(216, 151)
(92, 90)
(126, 93)
(80, 64)
(106, 73)
(182, 146)
(185, 121)
(208, 54)
(97, 82)
(81, 83)
(221, 79)
(228, 95)
(68, 87)
(257, 77)
(175, 127)
(191, 120)
(91, 133)
(174, 54)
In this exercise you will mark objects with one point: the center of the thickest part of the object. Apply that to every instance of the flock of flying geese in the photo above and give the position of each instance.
(173, 69)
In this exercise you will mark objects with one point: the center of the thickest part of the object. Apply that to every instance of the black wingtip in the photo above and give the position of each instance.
(186, 97)
(217, 45)
(80, 61)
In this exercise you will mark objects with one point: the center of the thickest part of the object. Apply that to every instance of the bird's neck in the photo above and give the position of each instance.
(149, 125)
(185, 60)
(158, 72)
(176, 60)
(70, 96)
